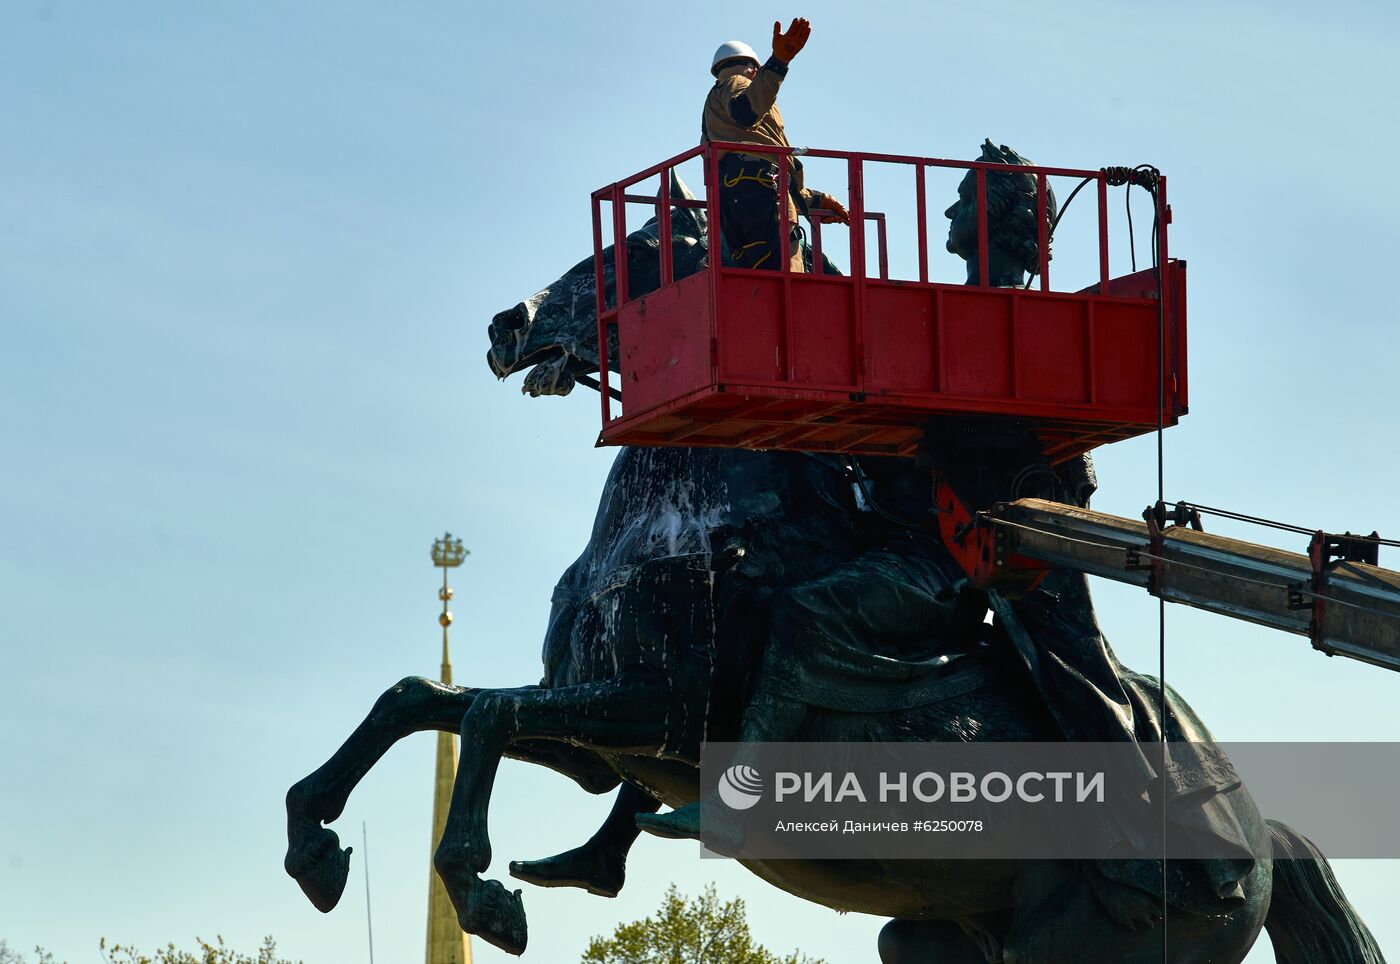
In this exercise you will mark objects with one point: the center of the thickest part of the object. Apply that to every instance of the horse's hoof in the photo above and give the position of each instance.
(587, 867)
(319, 867)
(495, 915)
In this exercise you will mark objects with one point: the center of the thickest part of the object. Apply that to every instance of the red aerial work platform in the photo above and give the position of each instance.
(741, 358)
(745, 358)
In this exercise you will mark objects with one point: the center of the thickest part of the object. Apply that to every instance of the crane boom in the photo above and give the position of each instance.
(1347, 607)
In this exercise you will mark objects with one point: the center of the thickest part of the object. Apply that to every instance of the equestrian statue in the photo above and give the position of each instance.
(736, 596)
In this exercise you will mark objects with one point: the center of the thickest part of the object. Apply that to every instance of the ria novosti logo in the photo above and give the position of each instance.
(740, 787)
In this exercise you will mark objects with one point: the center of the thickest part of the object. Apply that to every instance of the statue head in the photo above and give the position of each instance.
(1013, 243)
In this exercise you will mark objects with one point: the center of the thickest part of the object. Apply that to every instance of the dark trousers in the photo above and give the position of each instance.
(748, 198)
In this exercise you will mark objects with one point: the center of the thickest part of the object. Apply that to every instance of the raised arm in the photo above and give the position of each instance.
(749, 100)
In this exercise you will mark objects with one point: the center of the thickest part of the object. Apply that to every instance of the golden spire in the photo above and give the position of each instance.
(447, 554)
(446, 942)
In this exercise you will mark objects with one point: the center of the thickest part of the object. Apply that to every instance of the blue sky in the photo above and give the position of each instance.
(247, 257)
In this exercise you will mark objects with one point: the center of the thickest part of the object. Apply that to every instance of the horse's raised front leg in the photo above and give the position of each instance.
(600, 865)
(413, 705)
(314, 856)
(628, 713)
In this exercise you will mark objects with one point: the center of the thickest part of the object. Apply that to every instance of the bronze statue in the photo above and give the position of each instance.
(655, 643)
(1013, 245)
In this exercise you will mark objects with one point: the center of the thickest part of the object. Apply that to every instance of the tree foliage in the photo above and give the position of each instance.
(8, 955)
(205, 953)
(698, 931)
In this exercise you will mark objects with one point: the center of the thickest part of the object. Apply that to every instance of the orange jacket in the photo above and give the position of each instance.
(746, 111)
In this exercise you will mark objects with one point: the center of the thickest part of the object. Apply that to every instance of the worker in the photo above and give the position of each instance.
(743, 107)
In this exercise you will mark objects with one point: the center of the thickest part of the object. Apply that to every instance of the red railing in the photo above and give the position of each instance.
(618, 196)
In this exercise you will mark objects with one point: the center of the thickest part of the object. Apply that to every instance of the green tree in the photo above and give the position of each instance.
(205, 953)
(10, 956)
(699, 931)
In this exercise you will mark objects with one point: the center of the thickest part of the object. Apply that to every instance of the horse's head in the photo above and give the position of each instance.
(554, 332)
(1013, 239)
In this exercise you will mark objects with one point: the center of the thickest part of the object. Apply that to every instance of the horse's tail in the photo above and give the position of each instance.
(1310, 920)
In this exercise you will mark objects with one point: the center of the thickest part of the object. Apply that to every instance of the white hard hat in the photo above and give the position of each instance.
(733, 50)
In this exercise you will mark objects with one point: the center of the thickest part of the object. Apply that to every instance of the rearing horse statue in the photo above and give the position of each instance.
(656, 640)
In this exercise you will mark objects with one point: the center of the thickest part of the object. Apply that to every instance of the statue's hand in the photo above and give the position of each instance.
(787, 45)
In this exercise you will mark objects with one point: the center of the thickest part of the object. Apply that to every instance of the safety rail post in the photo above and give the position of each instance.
(982, 256)
(663, 216)
(713, 250)
(621, 286)
(880, 242)
(787, 370)
(602, 310)
(712, 226)
(1103, 232)
(1163, 213)
(855, 176)
(619, 247)
(1042, 213)
(818, 265)
(784, 228)
(921, 201)
(857, 216)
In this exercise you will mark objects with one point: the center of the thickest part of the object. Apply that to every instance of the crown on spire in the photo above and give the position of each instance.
(448, 552)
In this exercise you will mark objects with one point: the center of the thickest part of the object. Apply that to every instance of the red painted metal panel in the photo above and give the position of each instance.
(748, 322)
(1052, 347)
(823, 321)
(900, 343)
(755, 405)
(1125, 356)
(977, 341)
(665, 341)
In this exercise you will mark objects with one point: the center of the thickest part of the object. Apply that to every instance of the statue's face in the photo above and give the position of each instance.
(962, 219)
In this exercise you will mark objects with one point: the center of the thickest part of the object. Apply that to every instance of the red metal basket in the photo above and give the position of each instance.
(745, 358)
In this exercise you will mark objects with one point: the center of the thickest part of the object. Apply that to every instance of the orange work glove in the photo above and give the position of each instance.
(828, 203)
(787, 45)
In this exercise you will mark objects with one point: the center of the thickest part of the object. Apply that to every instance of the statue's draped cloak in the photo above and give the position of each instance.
(872, 634)
(1056, 636)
